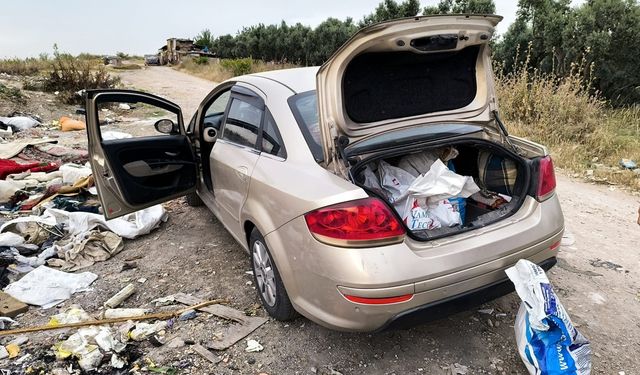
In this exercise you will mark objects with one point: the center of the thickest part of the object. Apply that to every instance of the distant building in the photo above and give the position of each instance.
(176, 49)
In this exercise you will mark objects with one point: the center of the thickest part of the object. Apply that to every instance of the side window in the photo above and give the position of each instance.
(214, 113)
(271, 140)
(243, 123)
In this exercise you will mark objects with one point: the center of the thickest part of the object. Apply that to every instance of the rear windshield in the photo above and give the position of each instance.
(305, 109)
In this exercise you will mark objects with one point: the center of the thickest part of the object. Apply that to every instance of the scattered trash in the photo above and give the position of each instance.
(187, 315)
(124, 106)
(5, 322)
(10, 308)
(229, 334)
(143, 330)
(74, 172)
(605, 264)
(121, 313)
(253, 346)
(13, 350)
(486, 311)
(79, 251)
(72, 314)
(458, 369)
(164, 301)
(624, 163)
(68, 124)
(47, 287)
(120, 297)
(79, 346)
(19, 123)
(129, 265)
(3, 352)
(548, 342)
(142, 280)
(206, 353)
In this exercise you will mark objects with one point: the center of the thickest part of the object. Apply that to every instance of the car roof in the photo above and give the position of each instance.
(297, 80)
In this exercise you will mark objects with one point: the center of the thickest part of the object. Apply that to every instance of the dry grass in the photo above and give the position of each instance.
(221, 71)
(585, 135)
(24, 67)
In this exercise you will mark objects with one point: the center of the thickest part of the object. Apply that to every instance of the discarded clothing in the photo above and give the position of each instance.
(8, 167)
(47, 287)
(11, 149)
(129, 226)
(80, 251)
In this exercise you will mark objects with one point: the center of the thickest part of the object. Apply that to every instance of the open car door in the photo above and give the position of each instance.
(154, 165)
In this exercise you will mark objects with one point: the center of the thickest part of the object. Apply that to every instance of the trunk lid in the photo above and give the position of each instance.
(404, 73)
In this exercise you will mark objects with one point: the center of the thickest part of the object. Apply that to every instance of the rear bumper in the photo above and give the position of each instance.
(455, 304)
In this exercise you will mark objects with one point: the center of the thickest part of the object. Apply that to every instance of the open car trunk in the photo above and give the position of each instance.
(420, 184)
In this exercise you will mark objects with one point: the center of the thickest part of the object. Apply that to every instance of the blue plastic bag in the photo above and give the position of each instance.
(548, 342)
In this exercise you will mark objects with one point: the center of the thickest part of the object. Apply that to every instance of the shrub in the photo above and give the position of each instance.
(238, 66)
(201, 60)
(26, 67)
(12, 94)
(69, 75)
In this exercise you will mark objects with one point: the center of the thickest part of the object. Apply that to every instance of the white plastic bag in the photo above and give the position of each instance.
(441, 183)
(419, 218)
(548, 342)
(20, 122)
(395, 181)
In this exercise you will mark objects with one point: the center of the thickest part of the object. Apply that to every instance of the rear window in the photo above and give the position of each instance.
(305, 109)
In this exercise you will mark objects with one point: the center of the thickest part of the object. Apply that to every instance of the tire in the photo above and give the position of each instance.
(266, 278)
(193, 200)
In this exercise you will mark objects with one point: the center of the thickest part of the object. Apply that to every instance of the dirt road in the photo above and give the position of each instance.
(597, 278)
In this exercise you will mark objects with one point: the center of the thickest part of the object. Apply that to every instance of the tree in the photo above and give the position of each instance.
(594, 39)
(205, 39)
(461, 6)
(389, 9)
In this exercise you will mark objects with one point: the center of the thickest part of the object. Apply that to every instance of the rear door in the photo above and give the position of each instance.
(235, 153)
(139, 153)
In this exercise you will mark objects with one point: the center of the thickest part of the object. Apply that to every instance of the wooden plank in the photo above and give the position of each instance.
(230, 334)
(233, 333)
(221, 311)
(206, 353)
(10, 306)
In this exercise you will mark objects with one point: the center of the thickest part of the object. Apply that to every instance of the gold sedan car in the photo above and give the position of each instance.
(300, 166)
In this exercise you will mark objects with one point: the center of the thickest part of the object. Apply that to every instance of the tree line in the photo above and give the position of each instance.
(595, 38)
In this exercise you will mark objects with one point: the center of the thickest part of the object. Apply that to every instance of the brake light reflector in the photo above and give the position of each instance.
(379, 301)
(546, 178)
(359, 223)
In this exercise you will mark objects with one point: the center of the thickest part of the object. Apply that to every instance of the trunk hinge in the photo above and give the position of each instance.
(504, 133)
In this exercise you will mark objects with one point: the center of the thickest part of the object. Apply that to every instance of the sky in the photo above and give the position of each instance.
(30, 27)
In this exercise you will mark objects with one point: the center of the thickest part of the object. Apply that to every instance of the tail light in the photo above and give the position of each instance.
(546, 179)
(360, 223)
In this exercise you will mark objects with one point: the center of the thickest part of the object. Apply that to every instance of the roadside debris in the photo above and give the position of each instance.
(18, 123)
(253, 346)
(10, 308)
(230, 334)
(47, 287)
(68, 124)
(205, 353)
(628, 164)
(120, 297)
(547, 340)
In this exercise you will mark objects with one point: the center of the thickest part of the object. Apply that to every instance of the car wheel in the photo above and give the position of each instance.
(267, 280)
(193, 200)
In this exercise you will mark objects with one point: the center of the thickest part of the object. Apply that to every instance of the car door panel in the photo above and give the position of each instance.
(166, 167)
(138, 172)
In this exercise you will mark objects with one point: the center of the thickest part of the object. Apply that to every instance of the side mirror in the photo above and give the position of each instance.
(166, 126)
(210, 135)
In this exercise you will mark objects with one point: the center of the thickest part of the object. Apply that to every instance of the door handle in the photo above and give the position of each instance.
(242, 172)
